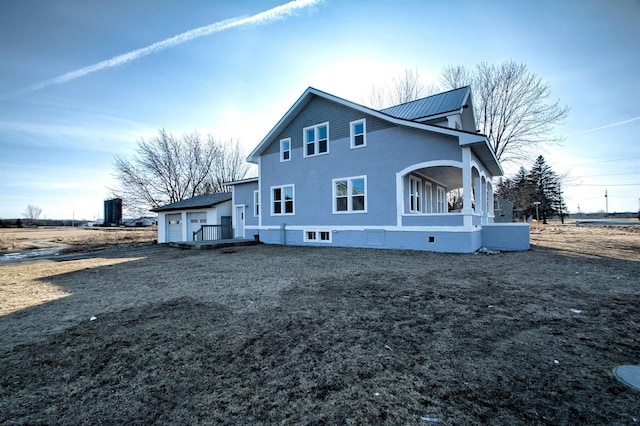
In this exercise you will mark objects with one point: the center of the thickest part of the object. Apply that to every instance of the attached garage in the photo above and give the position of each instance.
(177, 222)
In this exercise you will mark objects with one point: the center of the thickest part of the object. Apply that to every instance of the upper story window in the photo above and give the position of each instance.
(256, 203)
(282, 199)
(350, 195)
(358, 133)
(285, 149)
(316, 139)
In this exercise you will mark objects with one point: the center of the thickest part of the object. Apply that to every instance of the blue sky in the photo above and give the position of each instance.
(58, 136)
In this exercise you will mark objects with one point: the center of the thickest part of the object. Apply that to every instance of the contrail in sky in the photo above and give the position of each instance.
(274, 14)
(619, 123)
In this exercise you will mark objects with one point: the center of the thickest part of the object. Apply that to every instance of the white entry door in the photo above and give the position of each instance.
(174, 227)
(239, 222)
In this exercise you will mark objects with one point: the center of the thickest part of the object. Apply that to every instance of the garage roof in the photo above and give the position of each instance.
(197, 202)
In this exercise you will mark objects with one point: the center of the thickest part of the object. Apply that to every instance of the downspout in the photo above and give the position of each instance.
(283, 234)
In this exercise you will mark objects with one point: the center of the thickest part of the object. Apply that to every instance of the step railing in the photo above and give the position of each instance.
(212, 233)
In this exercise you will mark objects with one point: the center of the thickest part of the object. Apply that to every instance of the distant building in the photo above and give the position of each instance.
(113, 212)
(503, 210)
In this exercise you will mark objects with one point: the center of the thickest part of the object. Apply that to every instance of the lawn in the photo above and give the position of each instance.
(292, 335)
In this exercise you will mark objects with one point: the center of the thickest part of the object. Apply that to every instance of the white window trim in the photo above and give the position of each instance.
(256, 203)
(428, 199)
(441, 202)
(282, 187)
(317, 233)
(282, 150)
(364, 133)
(316, 143)
(419, 188)
(350, 195)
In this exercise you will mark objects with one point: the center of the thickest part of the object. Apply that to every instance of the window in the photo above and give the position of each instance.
(415, 195)
(256, 203)
(285, 149)
(441, 200)
(282, 200)
(428, 198)
(317, 236)
(350, 195)
(358, 133)
(316, 140)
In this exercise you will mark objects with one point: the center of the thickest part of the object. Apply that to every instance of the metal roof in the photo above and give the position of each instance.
(199, 201)
(430, 106)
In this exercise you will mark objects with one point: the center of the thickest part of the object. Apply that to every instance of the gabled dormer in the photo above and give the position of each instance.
(451, 109)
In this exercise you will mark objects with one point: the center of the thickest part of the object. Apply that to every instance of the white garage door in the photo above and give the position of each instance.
(174, 227)
(194, 221)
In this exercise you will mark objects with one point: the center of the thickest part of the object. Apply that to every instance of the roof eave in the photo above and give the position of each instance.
(241, 181)
(482, 149)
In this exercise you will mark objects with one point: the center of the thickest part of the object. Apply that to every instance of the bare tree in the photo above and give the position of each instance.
(228, 166)
(510, 104)
(511, 107)
(405, 87)
(167, 169)
(32, 212)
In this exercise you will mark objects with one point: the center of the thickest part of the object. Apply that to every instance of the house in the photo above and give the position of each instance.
(333, 172)
(503, 210)
(203, 217)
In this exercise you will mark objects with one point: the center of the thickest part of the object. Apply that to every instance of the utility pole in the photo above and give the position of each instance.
(578, 210)
(606, 202)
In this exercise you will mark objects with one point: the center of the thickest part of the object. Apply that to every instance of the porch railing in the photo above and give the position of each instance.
(212, 233)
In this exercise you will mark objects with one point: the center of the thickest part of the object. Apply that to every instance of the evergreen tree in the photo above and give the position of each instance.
(545, 186)
(540, 184)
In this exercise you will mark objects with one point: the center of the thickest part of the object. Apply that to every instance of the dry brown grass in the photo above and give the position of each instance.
(77, 239)
(268, 334)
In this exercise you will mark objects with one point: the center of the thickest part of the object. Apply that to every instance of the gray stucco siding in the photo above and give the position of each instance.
(318, 111)
(388, 151)
(439, 241)
(243, 195)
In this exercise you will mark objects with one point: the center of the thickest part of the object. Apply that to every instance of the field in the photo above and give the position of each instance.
(72, 239)
(291, 335)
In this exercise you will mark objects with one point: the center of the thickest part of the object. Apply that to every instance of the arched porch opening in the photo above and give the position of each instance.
(431, 188)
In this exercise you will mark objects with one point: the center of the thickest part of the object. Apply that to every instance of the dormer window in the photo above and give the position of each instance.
(316, 140)
(358, 133)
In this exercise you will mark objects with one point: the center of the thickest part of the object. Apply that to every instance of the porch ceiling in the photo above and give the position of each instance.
(451, 177)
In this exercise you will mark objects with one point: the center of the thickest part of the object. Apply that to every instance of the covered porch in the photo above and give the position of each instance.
(444, 193)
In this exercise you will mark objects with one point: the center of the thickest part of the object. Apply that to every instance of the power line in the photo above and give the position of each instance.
(604, 184)
(611, 174)
(602, 161)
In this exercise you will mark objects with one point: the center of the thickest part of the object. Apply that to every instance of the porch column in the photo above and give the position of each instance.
(490, 202)
(484, 209)
(467, 210)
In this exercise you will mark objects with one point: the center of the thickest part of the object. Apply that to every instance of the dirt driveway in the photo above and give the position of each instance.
(266, 334)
